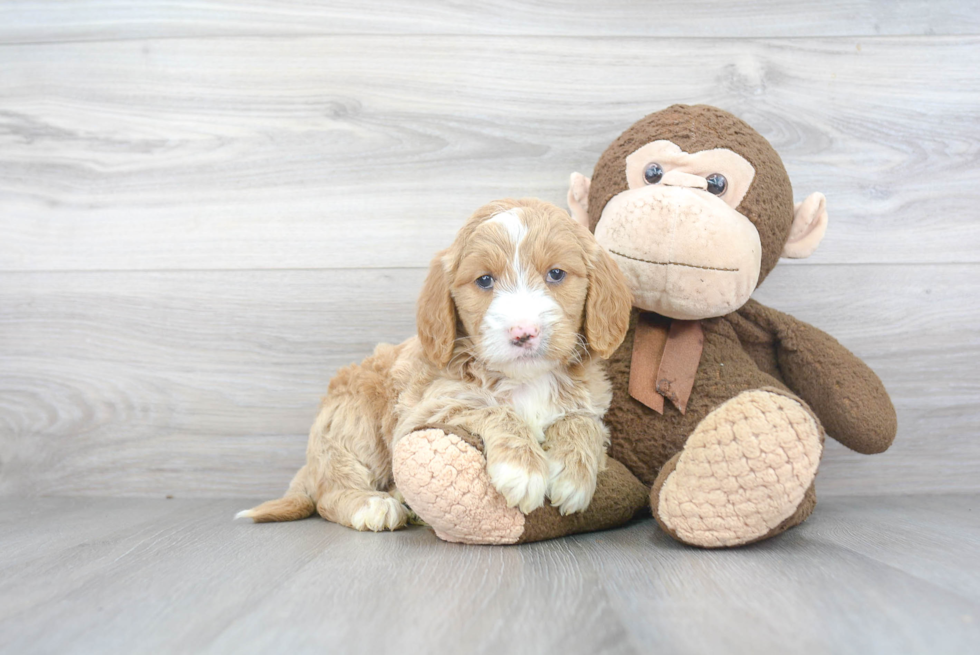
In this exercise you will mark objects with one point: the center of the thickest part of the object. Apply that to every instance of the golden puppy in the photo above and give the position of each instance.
(508, 320)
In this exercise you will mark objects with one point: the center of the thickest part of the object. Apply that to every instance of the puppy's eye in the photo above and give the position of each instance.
(653, 173)
(717, 183)
(556, 275)
(485, 281)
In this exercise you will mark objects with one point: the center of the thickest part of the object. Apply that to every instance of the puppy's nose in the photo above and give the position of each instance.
(523, 332)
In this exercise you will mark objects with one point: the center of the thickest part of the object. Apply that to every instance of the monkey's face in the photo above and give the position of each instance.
(676, 234)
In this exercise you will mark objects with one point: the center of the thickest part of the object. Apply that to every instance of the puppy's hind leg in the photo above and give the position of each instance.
(348, 497)
(347, 459)
(354, 465)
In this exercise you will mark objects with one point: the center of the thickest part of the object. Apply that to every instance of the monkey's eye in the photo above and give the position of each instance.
(653, 173)
(485, 281)
(556, 275)
(717, 183)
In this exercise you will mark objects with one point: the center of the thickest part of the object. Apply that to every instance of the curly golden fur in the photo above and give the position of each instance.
(509, 320)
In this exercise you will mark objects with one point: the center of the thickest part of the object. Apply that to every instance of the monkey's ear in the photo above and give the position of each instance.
(809, 226)
(578, 198)
(436, 314)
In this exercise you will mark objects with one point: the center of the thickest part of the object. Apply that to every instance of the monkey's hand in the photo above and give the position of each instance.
(844, 392)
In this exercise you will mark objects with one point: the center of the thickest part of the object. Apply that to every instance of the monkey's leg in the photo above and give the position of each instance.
(745, 474)
(441, 473)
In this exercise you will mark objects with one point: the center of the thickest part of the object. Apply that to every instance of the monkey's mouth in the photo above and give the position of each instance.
(648, 261)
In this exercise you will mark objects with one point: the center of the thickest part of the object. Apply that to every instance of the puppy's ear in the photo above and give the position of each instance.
(607, 305)
(436, 314)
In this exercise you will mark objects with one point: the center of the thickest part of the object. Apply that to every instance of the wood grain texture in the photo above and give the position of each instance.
(368, 151)
(208, 207)
(205, 383)
(34, 21)
(863, 575)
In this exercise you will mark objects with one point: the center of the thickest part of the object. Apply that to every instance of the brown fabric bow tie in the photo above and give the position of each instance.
(666, 354)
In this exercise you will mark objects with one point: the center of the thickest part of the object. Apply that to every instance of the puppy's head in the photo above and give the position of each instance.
(527, 288)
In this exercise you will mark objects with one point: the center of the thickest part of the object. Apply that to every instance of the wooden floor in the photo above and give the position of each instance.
(864, 575)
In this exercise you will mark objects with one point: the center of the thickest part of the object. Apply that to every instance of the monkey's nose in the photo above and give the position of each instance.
(679, 178)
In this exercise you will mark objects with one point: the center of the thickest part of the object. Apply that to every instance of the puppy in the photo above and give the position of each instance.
(509, 319)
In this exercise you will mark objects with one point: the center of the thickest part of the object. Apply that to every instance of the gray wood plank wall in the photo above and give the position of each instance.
(207, 208)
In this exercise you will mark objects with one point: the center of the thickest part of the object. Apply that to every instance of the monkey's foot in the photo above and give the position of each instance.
(444, 480)
(442, 474)
(743, 474)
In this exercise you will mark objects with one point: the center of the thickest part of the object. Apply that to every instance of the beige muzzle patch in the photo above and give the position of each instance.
(685, 253)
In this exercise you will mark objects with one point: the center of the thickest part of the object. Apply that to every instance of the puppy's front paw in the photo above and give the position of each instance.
(521, 480)
(571, 483)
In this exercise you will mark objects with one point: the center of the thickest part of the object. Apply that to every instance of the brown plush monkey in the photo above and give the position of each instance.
(719, 403)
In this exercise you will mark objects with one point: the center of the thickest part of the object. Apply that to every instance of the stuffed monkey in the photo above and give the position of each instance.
(720, 404)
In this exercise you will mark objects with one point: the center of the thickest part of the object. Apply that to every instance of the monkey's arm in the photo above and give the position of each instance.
(845, 393)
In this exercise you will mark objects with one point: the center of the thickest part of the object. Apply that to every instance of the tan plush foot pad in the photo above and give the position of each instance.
(444, 481)
(744, 470)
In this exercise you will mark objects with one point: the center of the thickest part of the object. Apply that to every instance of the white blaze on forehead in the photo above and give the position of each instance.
(511, 220)
(516, 229)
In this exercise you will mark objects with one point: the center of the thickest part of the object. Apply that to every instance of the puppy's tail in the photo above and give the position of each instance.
(296, 504)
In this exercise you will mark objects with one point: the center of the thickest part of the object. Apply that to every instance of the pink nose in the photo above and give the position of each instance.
(523, 332)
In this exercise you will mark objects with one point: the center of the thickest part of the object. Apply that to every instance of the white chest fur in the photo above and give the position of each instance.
(534, 401)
